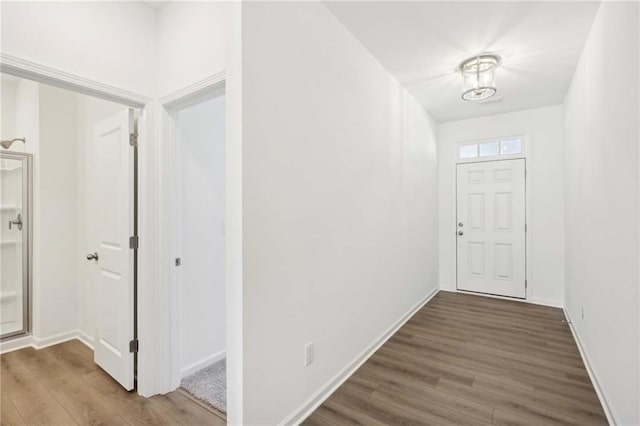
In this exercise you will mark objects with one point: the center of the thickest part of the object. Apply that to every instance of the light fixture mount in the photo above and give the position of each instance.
(479, 76)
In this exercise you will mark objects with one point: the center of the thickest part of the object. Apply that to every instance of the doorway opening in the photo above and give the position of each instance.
(199, 138)
(81, 250)
(491, 227)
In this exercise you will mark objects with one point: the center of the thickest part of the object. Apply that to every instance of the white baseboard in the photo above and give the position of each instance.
(16, 344)
(43, 342)
(203, 363)
(325, 391)
(31, 341)
(86, 339)
(590, 370)
(532, 300)
(546, 302)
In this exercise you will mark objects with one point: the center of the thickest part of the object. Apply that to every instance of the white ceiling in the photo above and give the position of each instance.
(421, 43)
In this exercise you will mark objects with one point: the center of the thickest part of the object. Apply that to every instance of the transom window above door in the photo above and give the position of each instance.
(491, 148)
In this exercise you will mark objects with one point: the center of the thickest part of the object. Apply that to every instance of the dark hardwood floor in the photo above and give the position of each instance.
(61, 385)
(465, 359)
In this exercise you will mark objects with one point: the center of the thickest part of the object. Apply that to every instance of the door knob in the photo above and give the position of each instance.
(460, 224)
(92, 256)
(460, 233)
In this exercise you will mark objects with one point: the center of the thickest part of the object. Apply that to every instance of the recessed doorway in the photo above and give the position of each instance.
(491, 227)
(199, 142)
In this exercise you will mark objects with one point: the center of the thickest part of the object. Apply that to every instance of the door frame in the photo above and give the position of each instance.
(27, 249)
(526, 155)
(144, 187)
(167, 362)
(171, 213)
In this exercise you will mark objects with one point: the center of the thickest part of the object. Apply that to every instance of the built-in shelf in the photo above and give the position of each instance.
(9, 243)
(8, 207)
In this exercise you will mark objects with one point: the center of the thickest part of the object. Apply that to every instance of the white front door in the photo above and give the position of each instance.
(112, 225)
(490, 227)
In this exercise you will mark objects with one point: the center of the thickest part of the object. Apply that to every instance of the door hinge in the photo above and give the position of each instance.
(134, 345)
(526, 229)
(133, 242)
(133, 127)
(526, 284)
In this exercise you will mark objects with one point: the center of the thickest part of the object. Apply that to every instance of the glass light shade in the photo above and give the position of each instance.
(479, 75)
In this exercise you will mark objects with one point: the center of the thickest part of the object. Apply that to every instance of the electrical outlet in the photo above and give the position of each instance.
(308, 354)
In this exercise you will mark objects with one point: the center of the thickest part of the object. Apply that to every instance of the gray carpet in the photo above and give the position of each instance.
(209, 385)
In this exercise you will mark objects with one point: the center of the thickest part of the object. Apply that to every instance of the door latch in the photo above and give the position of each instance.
(17, 221)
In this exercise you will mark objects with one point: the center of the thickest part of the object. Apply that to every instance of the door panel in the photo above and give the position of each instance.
(491, 254)
(112, 225)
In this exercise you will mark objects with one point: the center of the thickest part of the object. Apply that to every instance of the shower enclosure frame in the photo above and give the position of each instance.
(27, 239)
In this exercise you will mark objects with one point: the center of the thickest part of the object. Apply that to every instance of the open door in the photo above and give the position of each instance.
(111, 225)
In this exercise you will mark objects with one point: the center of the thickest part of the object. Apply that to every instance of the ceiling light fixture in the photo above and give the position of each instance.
(479, 74)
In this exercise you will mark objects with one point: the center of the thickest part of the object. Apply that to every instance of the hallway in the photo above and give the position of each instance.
(472, 360)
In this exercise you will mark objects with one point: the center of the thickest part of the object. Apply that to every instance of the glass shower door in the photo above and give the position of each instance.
(15, 186)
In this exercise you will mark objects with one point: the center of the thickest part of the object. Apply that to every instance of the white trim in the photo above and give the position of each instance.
(590, 370)
(167, 324)
(202, 364)
(24, 68)
(528, 167)
(37, 343)
(44, 342)
(198, 88)
(533, 300)
(86, 339)
(546, 302)
(16, 344)
(318, 397)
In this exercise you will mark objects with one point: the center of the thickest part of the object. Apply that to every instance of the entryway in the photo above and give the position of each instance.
(198, 135)
(491, 227)
(71, 265)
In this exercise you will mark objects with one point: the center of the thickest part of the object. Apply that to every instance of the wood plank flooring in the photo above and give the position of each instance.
(465, 359)
(61, 385)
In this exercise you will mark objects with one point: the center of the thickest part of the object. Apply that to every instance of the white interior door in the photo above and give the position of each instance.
(491, 253)
(111, 224)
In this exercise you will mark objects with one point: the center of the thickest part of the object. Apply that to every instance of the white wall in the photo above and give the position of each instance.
(340, 203)
(8, 91)
(111, 42)
(601, 211)
(56, 201)
(201, 145)
(543, 127)
(193, 39)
